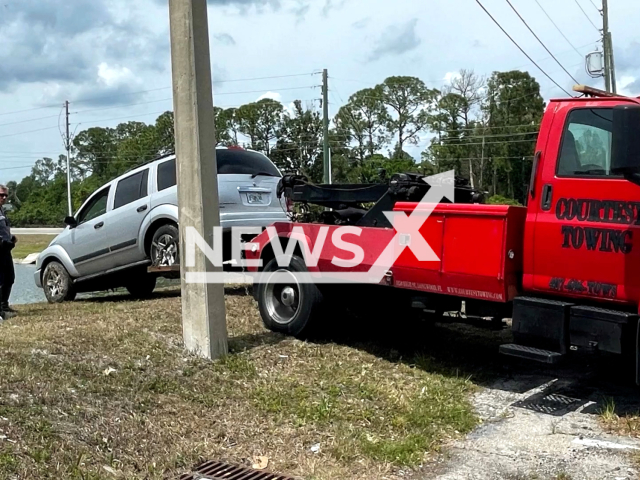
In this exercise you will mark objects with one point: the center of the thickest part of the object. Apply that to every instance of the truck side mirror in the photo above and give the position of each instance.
(625, 141)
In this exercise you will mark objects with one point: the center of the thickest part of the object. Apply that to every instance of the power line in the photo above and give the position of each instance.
(540, 41)
(558, 29)
(520, 48)
(587, 16)
(595, 6)
(27, 121)
(30, 109)
(28, 131)
(264, 90)
(122, 118)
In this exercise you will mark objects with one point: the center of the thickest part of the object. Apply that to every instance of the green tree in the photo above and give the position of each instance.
(260, 121)
(411, 105)
(95, 148)
(363, 121)
(513, 109)
(299, 145)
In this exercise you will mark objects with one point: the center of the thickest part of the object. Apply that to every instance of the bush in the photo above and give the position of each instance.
(500, 200)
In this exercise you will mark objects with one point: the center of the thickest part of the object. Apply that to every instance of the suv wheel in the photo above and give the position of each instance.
(57, 283)
(164, 246)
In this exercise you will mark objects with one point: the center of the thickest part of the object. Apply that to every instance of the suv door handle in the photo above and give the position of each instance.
(141, 209)
(547, 195)
(98, 225)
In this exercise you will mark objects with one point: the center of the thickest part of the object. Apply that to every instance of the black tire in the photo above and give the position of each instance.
(57, 283)
(301, 315)
(165, 246)
(142, 286)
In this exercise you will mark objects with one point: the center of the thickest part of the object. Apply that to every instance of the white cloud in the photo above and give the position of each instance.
(272, 95)
(450, 76)
(112, 76)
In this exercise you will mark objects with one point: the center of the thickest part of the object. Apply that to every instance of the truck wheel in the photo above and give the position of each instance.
(286, 305)
(142, 286)
(57, 283)
(164, 246)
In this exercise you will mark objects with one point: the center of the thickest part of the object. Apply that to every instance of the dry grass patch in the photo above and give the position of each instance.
(28, 244)
(103, 389)
(627, 425)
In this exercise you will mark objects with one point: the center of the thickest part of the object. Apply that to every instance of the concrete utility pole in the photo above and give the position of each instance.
(325, 127)
(203, 311)
(609, 68)
(68, 147)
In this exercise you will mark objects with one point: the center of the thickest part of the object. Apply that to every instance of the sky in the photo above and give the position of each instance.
(111, 58)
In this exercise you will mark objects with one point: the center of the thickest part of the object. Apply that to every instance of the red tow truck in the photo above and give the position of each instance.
(565, 268)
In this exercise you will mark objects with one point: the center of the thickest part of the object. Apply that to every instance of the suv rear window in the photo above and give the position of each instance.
(229, 162)
(131, 189)
(244, 162)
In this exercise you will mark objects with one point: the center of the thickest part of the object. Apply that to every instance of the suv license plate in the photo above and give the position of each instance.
(254, 198)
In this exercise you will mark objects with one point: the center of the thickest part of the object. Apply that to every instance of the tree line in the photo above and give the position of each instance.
(485, 129)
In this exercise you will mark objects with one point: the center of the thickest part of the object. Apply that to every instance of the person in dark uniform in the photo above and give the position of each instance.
(7, 273)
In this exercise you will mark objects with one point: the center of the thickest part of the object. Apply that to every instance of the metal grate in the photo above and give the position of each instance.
(213, 470)
(553, 400)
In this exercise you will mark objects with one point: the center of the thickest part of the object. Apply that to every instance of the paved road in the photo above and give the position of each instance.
(25, 290)
(36, 231)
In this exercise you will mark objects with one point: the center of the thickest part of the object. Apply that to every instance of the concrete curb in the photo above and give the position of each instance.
(28, 260)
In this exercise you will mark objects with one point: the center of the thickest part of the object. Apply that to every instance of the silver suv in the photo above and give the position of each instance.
(131, 222)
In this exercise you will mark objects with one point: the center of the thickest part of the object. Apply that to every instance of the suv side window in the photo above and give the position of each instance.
(131, 188)
(95, 208)
(586, 143)
(166, 174)
(231, 161)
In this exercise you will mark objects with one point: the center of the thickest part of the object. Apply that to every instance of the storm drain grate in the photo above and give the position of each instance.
(213, 470)
(550, 403)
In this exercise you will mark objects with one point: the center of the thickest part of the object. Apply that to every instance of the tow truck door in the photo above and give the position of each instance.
(586, 238)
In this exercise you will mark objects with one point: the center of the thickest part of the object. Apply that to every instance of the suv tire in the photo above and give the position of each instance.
(165, 246)
(57, 283)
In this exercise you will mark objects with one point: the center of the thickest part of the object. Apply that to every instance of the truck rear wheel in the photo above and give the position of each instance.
(286, 304)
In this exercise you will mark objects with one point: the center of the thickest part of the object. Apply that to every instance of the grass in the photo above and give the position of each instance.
(627, 424)
(28, 244)
(104, 389)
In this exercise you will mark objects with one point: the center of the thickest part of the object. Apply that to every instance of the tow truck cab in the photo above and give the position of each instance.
(565, 268)
(581, 266)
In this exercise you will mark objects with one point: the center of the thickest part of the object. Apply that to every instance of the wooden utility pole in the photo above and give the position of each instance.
(325, 127)
(67, 144)
(609, 64)
(203, 311)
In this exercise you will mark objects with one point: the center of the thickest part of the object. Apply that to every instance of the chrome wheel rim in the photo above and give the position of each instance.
(55, 284)
(165, 251)
(282, 297)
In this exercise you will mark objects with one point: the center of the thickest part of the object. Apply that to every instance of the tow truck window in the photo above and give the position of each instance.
(586, 143)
